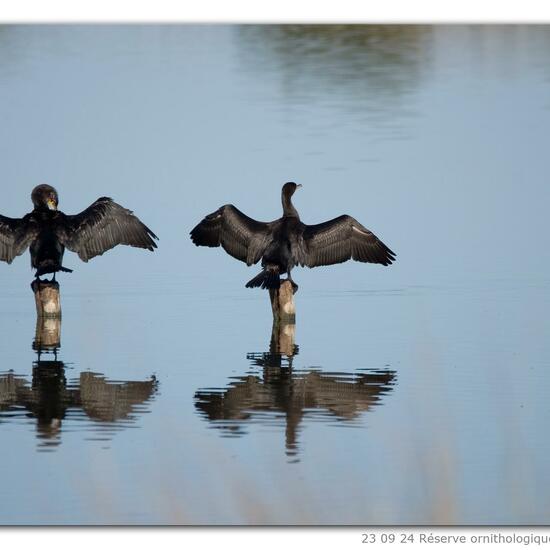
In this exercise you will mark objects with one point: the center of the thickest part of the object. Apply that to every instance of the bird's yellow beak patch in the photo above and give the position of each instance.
(51, 204)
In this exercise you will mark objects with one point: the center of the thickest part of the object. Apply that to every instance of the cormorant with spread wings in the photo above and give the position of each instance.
(287, 242)
(48, 231)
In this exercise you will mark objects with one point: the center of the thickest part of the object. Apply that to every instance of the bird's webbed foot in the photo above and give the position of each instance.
(294, 285)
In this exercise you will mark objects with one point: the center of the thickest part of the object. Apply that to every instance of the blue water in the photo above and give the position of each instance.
(411, 394)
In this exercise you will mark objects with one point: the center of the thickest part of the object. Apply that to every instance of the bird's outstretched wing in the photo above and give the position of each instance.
(240, 236)
(16, 234)
(102, 226)
(342, 239)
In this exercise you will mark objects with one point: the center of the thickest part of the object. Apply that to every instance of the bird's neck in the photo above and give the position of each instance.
(45, 212)
(288, 208)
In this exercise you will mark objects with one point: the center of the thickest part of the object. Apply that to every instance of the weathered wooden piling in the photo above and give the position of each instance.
(282, 303)
(47, 298)
(284, 318)
(48, 316)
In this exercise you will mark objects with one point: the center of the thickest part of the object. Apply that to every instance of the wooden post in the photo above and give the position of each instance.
(282, 303)
(48, 301)
(284, 318)
(48, 316)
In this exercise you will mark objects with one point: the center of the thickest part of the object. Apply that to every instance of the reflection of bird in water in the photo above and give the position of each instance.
(109, 401)
(298, 395)
(46, 399)
(49, 399)
(48, 231)
(287, 242)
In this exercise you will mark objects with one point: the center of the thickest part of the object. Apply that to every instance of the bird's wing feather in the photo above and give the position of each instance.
(16, 234)
(240, 236)
(102, 226)
(342, 239)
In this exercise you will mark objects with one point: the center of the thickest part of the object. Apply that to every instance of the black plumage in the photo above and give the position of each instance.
(287, 242)
(48, 231)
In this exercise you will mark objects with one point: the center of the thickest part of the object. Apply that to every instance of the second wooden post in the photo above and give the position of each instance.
(282, 303)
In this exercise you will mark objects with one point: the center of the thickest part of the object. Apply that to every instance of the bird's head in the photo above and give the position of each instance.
(290, 187)
(45, 196)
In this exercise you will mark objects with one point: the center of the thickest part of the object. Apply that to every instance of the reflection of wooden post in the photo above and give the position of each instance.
(283, 337)
(282, 303)
(46, 295)
(48, 334)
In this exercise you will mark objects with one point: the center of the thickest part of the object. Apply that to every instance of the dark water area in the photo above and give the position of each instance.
(410, 394)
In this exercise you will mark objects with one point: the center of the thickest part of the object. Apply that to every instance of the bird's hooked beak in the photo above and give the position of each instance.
(298, 185)
(50, 202)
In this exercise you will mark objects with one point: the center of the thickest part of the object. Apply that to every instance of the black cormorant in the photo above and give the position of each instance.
(287, 242)
(47, 231)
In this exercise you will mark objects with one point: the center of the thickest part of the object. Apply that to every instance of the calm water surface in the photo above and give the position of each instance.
(414, 394)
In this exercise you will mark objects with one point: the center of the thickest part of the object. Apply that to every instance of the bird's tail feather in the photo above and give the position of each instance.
(267, 278)
(46, 267)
